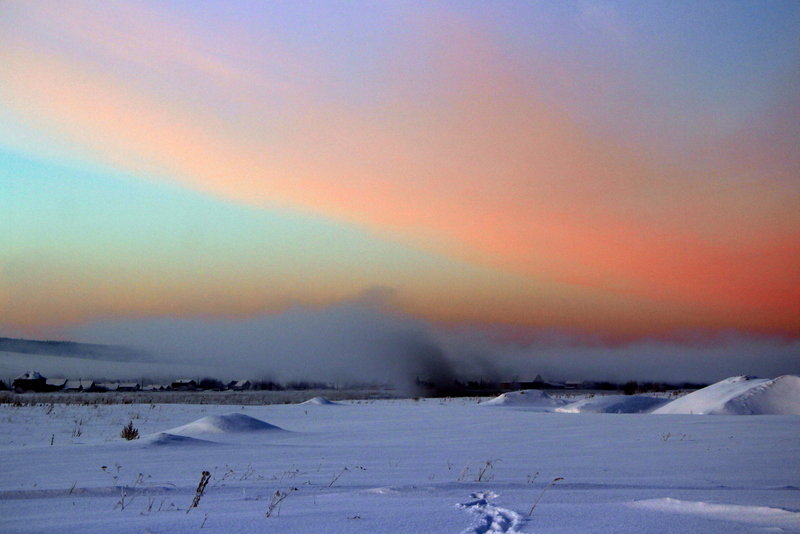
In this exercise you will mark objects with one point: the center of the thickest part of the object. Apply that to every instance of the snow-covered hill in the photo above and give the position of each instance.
(741, 395)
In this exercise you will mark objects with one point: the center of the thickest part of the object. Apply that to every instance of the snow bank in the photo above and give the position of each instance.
(741, 395)
(225, 424)
(757, 515)
(165, 439)
(525, 397)
(320, 401)
(614, 404)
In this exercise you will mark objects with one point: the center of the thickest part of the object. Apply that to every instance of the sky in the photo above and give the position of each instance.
(608, 172)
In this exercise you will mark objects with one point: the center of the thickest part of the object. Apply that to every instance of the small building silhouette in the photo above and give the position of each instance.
(56, 384)
(184, 384)
(30, 381)
(242, 385)
(75, 386)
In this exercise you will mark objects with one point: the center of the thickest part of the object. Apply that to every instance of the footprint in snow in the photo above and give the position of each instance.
(488, 518)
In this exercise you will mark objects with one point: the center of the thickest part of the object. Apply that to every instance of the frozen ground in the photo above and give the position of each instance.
(432, 466)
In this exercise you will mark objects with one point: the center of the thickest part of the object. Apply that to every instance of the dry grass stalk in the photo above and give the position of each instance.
(539, 498)
(201, 488)
(277, 498)
(129, 432)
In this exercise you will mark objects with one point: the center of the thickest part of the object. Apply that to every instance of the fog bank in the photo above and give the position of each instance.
(364, 342)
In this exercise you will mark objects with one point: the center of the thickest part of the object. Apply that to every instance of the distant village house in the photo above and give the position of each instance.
(56, 384)
(30, 381)
(241, 385)
(118, 386)
(184, 384)
(80, 385)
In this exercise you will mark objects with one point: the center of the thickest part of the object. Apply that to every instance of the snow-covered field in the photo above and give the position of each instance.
(396, 466)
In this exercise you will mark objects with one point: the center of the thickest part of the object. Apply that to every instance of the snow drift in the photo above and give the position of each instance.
(319, 401)
(525, 397)
(614, 404)
(165, 439)
(778, 518)
(741, 395)
(233, 423)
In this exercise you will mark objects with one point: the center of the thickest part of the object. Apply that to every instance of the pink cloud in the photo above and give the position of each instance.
(461, 156)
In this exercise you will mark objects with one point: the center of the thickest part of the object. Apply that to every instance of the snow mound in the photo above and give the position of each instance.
(741, 395)
(758, 515)
(525, 397)
(614, 404)
(165, 439)
(233, 423)
(319, 401)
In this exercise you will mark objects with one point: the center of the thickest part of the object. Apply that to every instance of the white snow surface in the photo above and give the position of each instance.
(526, 397)
(394, 466)
(614, 404)
(741, 395)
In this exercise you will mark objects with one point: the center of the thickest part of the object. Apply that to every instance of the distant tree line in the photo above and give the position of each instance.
(35, 382)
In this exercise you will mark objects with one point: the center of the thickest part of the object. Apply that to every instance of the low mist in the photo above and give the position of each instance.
(352, 343)
(363, 342)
